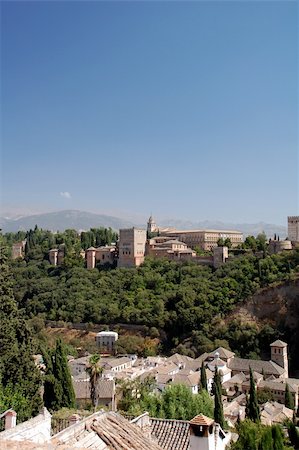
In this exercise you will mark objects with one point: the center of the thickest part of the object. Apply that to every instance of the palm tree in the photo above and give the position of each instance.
(95, 371)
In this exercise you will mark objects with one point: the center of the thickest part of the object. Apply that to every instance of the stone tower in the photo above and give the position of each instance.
(279, 355)
(151, 225)
(131, 247)
(53, 256)
(90, 258)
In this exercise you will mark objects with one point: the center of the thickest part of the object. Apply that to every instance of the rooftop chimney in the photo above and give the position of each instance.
(10, 419)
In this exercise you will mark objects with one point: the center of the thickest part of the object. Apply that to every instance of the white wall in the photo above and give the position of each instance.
(36, 430)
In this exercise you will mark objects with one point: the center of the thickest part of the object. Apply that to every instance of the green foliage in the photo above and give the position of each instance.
(203, 378)
(256, 244)
(293, 435)
(95, 371)
(39, 242)
(218, 405)
(254, 436)
(186, 300)
(175, 402)
(20, 379)
(266, 442)
(58, 386)
(288, 398)
(253, 410)
(264, 396)
(63, 377)
(136, 344)
(277, 437)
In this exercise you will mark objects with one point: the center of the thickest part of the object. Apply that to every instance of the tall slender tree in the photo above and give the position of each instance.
(253, 410)
(277, 437)
(203, 377)
(95, 371)
(218, 406)
(52, 388)
(266, 442)
(63, 376)
(288, 398)
(293, 435)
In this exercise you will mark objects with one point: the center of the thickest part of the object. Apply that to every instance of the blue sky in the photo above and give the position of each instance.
(184, 109)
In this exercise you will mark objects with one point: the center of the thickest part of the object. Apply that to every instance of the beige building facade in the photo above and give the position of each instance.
(100, 255)
(205, 239)
(131, 247)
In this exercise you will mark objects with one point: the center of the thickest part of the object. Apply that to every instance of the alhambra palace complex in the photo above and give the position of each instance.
(107, 429)
(177, 245)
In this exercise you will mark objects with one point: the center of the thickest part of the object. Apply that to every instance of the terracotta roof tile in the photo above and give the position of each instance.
(104, 431)
(171, 434)
(243, 365)
(202, 420)
(223, 353)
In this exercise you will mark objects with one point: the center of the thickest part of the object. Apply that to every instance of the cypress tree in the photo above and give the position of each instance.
(253, 410)
(266, 442)
(63, 377)
(293, 435)
(288, 398)
(203, 378)
(52, 389)
(277, 437)
(218, 407)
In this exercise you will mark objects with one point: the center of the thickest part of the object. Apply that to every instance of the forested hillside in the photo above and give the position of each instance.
(187, 303)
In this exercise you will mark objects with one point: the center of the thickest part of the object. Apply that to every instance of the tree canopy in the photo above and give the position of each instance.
(20, 379)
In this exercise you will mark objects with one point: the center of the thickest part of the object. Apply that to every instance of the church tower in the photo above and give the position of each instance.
(151, 226)
(279, 355)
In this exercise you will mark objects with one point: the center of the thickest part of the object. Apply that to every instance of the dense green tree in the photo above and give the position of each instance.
(266, 442)
(253, 410)
(288, 398)
(220, 242)
(175, 402)
(177, 298)
(52, 387)
(248, 436)
(293, 435)
(218, 405)
(277, 437)
(203, 377)
(63, 377)
(264, 396)
(261, 241)
(18, 372)
(254, 436)
(227, 243)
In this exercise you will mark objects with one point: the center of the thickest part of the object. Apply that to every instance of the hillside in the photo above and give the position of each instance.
(277, 305)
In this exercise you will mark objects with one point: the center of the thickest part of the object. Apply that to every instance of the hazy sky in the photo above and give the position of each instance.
(183, 109)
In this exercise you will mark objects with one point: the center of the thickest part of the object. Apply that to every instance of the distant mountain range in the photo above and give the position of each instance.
(81, 220)
(252, 229)
(62, 220)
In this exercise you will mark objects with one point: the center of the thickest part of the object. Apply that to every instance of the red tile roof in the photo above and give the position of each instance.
(171, 434)
(202, 420)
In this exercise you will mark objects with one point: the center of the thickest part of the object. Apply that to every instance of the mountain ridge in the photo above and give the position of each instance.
(83, 220)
